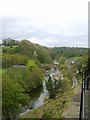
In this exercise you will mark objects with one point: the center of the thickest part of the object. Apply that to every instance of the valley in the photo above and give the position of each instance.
(40, 82)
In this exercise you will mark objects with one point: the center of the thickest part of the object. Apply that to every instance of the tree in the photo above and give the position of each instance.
(62, 60)
(12, 97)
(31, 64)
(4, 42)
(26, 78)
(43, 56)
(36, 78)
(53, 86)
(9, 42)
(13, 59)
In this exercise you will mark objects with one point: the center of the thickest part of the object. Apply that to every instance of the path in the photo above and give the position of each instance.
(73, 107)
(74, 81)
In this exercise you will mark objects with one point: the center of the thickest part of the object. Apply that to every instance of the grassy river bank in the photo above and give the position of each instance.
(55, 108)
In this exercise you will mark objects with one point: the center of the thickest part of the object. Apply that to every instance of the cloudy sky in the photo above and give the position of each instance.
(46, 22)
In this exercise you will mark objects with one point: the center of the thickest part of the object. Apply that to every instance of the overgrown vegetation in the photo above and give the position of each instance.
(68, 52)
(12, 97)
(22, 62)
(53, 86)
(52, 108)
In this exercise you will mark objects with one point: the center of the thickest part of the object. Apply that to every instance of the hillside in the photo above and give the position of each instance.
(23, 51)
(39, 78)
(30, 50)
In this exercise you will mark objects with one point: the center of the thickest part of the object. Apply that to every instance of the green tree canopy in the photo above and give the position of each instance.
(31, 64)
(12, 97)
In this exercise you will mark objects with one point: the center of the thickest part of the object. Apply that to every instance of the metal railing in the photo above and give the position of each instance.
(84, 87)
(82, 100)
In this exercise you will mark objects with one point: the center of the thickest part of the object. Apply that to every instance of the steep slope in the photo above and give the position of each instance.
(31, 50)
(34, 51)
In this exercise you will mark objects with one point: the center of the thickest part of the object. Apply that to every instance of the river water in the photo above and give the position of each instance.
(38, 95)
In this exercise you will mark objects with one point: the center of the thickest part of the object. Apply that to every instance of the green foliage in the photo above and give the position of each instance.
(12, 96)
(9, 42)
(62, 60)
(4, 49)
(26, 78)
(80, 63)
(9, 49)
(37, 62)
(53, 86)
(13, 59)
(66, 83)
(36, 74)
(25, 47)
(0, 72)
(44, 56)
(17, 81)
(31, 64)
(36, 78)
(68, 52)
(47, 114)
(18, 74)
(50, 88)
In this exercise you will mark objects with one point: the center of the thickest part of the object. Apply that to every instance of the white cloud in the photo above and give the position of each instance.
(43, 19)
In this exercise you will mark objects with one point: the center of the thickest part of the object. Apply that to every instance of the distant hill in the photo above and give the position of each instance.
(31, 50)
(41, 53)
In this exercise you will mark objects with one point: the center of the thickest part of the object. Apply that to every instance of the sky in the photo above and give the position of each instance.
(47, 22)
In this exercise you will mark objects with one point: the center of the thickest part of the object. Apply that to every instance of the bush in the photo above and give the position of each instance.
(53, 86)
(26, 78)
(12, 96)
(13, 59)
(36, 78)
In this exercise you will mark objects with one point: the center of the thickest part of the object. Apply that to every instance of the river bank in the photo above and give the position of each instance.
(39, 95)
(47, 105)
(55, 107)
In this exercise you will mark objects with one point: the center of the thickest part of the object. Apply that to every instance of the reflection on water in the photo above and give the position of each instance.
(37, 97)
(35, 93)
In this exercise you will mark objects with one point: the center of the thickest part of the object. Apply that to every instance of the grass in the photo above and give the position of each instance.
(55, 107)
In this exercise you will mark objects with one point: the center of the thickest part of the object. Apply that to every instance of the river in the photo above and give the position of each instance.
(38, 95)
